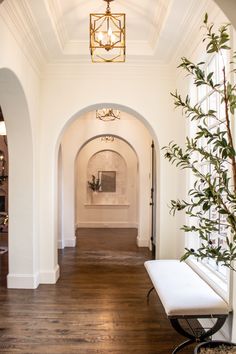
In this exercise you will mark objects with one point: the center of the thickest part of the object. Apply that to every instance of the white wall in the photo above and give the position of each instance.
(141, 91)
(117, 209)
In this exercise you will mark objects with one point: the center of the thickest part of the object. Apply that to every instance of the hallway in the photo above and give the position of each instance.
(97, 306)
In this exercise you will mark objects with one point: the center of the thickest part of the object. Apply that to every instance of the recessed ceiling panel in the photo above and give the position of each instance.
(154, 28)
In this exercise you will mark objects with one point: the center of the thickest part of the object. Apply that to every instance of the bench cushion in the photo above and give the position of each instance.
(182, 291)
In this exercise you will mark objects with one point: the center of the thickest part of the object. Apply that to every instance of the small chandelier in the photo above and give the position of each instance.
(108, 138)
(107, 114)
(107, 36)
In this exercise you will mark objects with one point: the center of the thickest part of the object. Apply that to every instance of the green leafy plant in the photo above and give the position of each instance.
(213, 191)
(94, 184)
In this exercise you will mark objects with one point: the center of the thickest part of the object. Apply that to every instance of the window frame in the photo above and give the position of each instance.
(207, 269)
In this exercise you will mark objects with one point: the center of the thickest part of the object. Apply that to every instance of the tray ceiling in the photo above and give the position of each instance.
(60, 28)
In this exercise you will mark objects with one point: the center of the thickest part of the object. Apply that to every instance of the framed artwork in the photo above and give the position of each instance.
(107, 181)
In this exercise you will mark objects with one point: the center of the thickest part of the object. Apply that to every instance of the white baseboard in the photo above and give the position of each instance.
(70, 242)
(143, 242)
(50, 277)
(60, 244)
(23, 281)
(108, 224)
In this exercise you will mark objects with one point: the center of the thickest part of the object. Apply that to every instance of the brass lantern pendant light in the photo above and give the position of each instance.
(107, 36)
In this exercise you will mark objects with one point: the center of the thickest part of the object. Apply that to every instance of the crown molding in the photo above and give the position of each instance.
(159, 19)
(19, 21)
(51, 45)
(55, 11)
(188, 45)
(131, 70)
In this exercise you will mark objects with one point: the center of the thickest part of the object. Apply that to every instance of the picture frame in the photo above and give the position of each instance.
(107, 181)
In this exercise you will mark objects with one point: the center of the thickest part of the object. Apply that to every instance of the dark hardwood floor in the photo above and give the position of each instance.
(97, 306)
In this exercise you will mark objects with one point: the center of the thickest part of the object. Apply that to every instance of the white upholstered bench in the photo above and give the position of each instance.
(185, 295)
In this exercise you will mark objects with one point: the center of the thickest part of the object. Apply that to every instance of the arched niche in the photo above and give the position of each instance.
(100, 165)
(114, 208)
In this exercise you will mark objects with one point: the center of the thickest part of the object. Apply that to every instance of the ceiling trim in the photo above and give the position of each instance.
(160, 16)
(187, 44)
(51, 44)
(116, 71)
(19, 20)
(55, 11)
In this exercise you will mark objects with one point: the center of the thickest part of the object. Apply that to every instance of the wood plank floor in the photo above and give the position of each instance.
(97, 306)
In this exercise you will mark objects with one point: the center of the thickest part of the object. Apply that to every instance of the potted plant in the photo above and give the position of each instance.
(213, 191)
(94, 184)
(214, 347)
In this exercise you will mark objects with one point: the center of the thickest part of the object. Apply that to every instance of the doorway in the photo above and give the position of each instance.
(22, 271)
(81, 132)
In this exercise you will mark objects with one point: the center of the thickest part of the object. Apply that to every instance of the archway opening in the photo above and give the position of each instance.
(23, 264)
(83, 130)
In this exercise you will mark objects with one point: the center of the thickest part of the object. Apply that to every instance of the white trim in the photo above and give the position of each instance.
(210, 277)
(143, 242)
(70, 242)
(108, 224)
(23, 281)
(50, 277)
(60, 244)
(18, 18)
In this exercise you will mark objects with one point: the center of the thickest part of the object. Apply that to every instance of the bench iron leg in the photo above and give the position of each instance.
(219, 323)
(148, 294)
(194, 338)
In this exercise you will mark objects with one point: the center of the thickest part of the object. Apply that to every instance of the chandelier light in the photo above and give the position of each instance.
(107, 36)
(107, 114)
(107, 138)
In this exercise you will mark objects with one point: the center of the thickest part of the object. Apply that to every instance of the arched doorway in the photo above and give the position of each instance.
(23, 265)
(75, 137)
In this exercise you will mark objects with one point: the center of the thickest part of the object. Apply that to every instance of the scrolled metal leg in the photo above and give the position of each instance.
(176, 325)
(194, 338)
(148, 294)
(219, 323)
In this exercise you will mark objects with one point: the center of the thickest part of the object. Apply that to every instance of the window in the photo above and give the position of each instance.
(210, 100)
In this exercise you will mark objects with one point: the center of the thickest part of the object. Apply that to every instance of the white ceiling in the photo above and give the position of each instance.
(60, 28)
